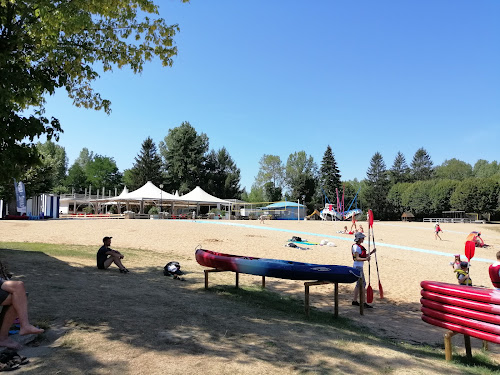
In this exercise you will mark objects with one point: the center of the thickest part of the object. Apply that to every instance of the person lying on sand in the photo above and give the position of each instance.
(13, 298)
(106, 256)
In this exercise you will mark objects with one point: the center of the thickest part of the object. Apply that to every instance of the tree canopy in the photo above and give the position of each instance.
(183, 151)
(46, 45)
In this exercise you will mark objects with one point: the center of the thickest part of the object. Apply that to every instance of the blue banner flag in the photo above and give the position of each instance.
(20, 196)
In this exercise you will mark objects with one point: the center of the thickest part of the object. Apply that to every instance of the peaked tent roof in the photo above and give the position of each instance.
(201, 196)
(147, 191)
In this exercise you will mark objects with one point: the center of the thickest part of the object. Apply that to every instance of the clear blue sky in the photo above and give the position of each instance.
(275, 77)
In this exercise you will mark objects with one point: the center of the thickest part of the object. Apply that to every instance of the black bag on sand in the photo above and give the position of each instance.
(172, 269)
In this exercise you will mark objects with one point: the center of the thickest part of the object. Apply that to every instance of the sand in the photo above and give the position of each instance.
(407, 253)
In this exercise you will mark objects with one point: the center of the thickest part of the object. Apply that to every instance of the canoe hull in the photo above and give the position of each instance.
(282, 269)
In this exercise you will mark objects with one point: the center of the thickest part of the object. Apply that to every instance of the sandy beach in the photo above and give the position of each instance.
(407, 253)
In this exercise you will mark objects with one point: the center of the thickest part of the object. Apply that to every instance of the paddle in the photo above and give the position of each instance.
(470, 249)
(369, 290)
(370, 224)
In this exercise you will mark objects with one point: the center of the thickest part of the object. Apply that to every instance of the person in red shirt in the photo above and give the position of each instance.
(437, 229)
(494, 272)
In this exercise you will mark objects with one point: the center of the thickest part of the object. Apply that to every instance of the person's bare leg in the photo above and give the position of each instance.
(19, 301)
(8, 318)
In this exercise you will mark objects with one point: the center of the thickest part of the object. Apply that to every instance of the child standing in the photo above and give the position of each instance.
(456, 262)
(463, 274)
(437, 229)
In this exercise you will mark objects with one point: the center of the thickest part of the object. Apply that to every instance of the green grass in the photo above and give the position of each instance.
(291, 307)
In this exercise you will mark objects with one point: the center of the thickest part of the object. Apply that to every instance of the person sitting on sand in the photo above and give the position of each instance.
(463, 274)
(494, 272)
(13, 298)
(437, 229)
(360, 255)
(106, 256)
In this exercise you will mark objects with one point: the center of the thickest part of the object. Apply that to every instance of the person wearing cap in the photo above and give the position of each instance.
(456, 262)
(360, 255)
(463, 274)
(106, 256)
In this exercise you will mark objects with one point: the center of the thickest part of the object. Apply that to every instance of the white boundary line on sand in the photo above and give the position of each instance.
(407, 248)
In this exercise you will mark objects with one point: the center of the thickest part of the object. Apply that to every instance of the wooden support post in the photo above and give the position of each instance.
(468, 350)
(485, 345)
(361, 290)
(263, 282)
(237, 280)
(212, 270)
(306, 299)
(336, 300)
(306, 295)
(447, 345)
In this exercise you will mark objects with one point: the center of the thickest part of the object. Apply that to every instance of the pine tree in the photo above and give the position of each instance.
(183, 151)
(147, 166)
(421, 166)
(222, 177)
(377, 186)
(329, 174)
(399, 171)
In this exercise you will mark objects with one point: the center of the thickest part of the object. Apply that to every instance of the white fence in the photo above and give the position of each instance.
(446, 220)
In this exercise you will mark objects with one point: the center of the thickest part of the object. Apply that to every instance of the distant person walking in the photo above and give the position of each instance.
(437, 229)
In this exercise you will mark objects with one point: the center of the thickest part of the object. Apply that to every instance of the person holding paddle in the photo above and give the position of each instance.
(360, 255)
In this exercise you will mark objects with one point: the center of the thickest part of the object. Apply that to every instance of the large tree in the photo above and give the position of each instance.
(329, 174)
(271, 170)
(47, 176)
(421, 165)
(301, 176)
(147, 166)
(46, 45)
(183, 152)
(102, 172)
(483, 169)
(399, 171)
(377, 186)
(222, 177)
(453, 169)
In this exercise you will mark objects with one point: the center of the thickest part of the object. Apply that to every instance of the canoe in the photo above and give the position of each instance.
(463, 330)
(460, 302)
(462, 291)
(464, 309)
(283, 269)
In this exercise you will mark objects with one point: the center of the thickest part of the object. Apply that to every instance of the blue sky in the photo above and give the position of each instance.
(275, 77)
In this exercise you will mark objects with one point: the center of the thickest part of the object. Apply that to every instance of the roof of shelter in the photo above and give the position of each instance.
(407, 214)
(147, 191)
(201, 196)
(283, 204)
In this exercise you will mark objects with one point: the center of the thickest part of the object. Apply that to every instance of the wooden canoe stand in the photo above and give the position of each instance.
(448, 348)
(307, 284)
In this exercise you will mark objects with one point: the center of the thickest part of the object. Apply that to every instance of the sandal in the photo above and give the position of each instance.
(8, 366)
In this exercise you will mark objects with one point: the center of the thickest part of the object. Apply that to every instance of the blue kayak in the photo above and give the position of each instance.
(283, 269)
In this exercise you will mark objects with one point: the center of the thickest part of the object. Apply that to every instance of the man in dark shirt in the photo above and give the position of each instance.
(106, 256)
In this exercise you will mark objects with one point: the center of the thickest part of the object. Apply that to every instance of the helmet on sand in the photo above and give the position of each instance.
(358, 236)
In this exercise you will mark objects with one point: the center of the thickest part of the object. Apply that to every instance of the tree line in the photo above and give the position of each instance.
(420, 188)
(180, 163)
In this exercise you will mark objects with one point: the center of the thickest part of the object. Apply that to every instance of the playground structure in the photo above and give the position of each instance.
(338, 212)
